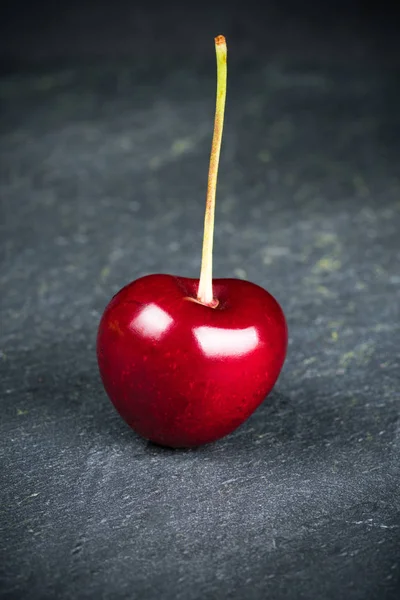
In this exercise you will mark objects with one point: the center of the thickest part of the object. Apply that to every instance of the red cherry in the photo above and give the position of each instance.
(183, 374)
(186, 361)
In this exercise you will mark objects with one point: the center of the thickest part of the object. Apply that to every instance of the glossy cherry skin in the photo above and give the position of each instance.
(183, 374)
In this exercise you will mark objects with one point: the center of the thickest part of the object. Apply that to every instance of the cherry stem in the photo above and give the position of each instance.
(205, 291)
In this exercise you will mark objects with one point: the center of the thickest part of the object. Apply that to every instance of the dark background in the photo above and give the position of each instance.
(106, 120)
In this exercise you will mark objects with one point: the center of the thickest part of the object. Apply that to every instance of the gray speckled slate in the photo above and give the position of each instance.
(103, 176)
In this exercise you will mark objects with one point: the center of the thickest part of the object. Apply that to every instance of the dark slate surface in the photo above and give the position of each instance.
(104, 153)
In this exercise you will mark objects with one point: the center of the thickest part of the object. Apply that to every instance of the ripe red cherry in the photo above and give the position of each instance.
(186, 361)
(181, 373)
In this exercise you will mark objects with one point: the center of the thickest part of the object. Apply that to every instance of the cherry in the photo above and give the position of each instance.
(186, 361)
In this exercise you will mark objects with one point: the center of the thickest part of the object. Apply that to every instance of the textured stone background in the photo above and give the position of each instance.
(106, 116)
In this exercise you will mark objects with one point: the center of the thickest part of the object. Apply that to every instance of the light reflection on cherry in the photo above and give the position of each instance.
(217, 342)
(151, 322)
